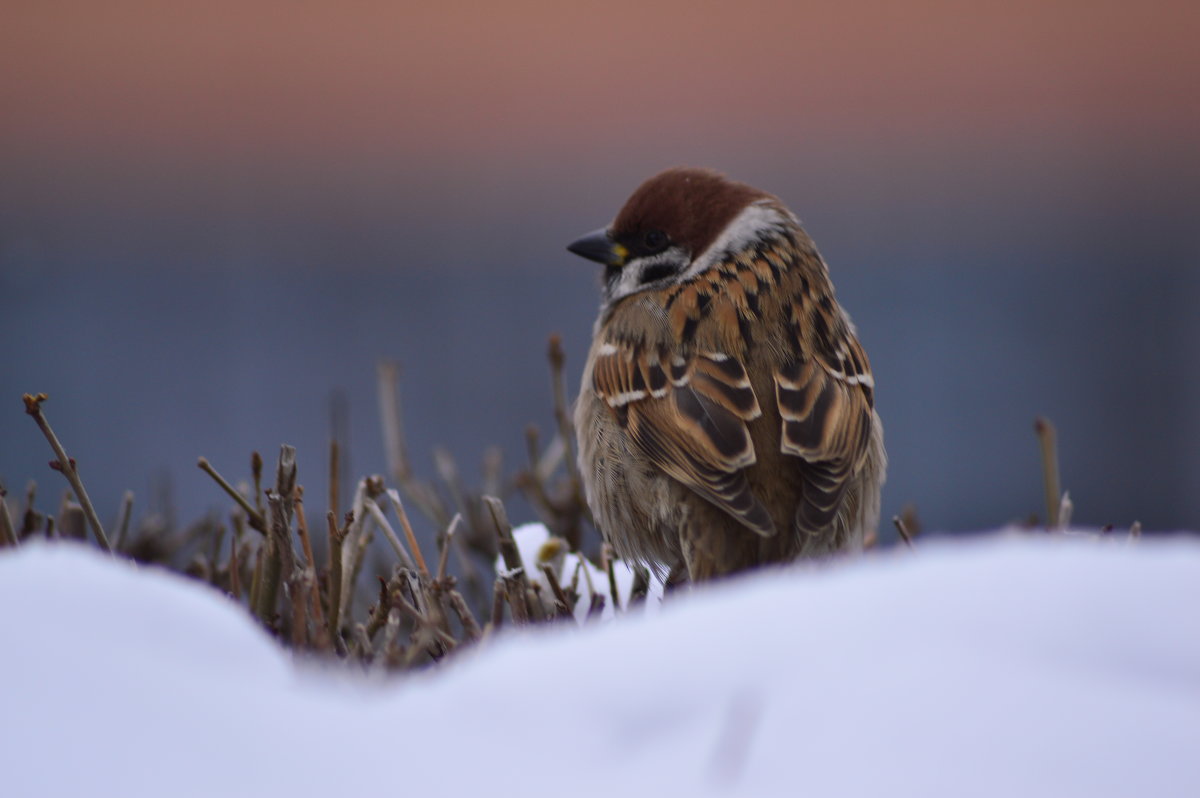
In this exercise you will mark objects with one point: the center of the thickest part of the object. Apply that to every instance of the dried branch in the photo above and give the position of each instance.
(253, 517)
(422, 495)
(607, 557)
(335, 466)
(377, 615)
(641, 584)
(391, 630)
(518, 599)
(358, 538)
(362, 644)
(398, 506)
(1066, 509)
(235, 577)
(447, 471)
(33, 406)
(311, 568)
(566, 431)
(388, 374)
(470, 626)
(8, 535)
(423, 622)
(516, 583)
(30, 519)
(498, 599)
(256, 467)
(279, 557)
(299, 586)
(596, 607)
(382, 522)
(123, 515)
(493, 471)
(71, 521)
(562, 604)
(256, 580)
(302, 527)
(1047, 438)
(447, 542)
(336, 538)
(903, 530)
(507, 544)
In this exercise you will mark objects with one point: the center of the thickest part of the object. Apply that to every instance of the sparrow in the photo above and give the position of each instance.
(726, 418)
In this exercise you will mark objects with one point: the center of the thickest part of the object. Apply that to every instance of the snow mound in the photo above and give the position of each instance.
(999, 667)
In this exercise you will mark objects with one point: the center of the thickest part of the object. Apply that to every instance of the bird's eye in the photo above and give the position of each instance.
(654, 240)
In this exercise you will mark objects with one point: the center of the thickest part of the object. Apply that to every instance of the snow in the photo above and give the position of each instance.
(1006, 666)
(573, 570)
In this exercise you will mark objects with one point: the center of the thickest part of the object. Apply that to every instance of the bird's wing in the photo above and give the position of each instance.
(687, 415)
(825, 396)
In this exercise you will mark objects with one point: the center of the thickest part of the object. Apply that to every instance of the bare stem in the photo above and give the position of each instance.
(388, 374)
(235, 577)
(394, 497)
(253, 517)
(311, 568)
(422, 621)
(302, 528)
(8, 535)
(33, 406)
(608, 556)
(335, 476)
(382, 522)
(557, 367)
(497, 606)
(562, 603)
(280, 560)
(903, 530)
(256, 467)
(123, 516)
(299, 585)
(1048, 439)
(515, 581)
(447, 542)
(421, 494)
(336, 538)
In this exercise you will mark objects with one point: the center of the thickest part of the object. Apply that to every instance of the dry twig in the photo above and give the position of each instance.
(253, 517)
(1047, 439)
(33, 406)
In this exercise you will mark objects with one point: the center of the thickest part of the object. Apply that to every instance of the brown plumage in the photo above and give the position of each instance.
(726, 416)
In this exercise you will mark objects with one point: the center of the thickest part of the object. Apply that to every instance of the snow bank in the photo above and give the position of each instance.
(1002, 667)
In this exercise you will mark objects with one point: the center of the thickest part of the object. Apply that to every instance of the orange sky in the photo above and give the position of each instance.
(285, 83)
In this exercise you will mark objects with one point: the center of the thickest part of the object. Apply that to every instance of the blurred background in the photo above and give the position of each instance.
(216, 218)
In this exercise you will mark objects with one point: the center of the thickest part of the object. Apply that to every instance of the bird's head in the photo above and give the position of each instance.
(676, 225)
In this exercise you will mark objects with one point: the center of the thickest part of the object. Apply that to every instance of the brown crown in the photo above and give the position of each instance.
(692, 206)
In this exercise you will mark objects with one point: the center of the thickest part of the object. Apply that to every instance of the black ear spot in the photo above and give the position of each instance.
(657, 271)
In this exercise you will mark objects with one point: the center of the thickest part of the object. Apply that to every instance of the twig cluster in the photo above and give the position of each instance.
(314, 592)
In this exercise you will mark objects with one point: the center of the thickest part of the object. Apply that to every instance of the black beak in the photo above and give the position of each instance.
(600, 247)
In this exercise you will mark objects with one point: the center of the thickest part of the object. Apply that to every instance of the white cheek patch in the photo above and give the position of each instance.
(759, 220)
(630, 280)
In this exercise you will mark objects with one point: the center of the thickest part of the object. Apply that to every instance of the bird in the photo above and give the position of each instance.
(726, 416)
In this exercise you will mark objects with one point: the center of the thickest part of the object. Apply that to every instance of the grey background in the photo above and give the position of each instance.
(186, 314)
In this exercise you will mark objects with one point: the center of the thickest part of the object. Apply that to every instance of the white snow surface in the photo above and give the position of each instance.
(575, 570)
(1007, 666)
